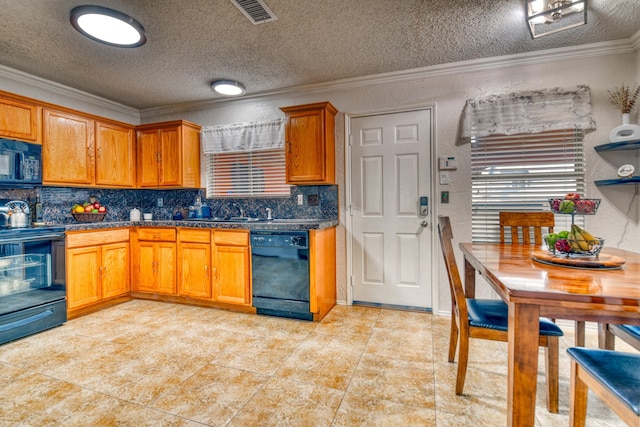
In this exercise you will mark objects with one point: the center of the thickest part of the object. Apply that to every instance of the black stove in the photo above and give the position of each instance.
(26, 232)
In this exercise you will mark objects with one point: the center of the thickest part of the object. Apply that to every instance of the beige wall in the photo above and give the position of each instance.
(447, 87)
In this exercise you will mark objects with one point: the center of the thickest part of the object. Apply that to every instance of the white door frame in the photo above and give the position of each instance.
(432, 203)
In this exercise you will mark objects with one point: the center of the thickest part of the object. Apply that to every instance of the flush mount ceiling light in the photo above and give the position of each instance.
(108, 26)
(550, 16)
(228, 87)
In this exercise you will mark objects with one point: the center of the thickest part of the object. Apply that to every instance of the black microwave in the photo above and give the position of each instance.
(20, 164)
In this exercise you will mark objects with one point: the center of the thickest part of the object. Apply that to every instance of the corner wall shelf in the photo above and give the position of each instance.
(618, 146)
(623, 145)
(618, 181)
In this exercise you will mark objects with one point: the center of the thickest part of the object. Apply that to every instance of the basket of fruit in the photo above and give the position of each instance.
(572, 203)
(88, 212)
(578, 242)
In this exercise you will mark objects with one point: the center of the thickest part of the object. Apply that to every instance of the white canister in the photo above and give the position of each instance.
(134, 215)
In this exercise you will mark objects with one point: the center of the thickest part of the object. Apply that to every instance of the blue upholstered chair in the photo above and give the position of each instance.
(488, 319)
(613, 376)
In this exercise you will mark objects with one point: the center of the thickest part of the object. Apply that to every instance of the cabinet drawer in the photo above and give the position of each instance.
(194, 235)
(156, 234)
(77, 239)
(231, 238)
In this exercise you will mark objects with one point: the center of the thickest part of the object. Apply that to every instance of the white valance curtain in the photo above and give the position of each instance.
(528, 112)
(243, 137)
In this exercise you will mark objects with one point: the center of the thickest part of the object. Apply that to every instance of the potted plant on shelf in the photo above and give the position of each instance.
(624, 98)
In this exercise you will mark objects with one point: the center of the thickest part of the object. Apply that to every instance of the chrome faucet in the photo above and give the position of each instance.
(241, 210)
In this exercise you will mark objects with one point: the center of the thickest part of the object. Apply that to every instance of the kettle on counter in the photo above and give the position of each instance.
(18, 214)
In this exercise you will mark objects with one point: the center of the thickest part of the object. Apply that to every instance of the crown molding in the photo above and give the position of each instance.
(67, 92)
(472, 66)
(635, 40)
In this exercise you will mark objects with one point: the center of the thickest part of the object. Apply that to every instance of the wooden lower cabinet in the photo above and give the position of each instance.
(322, 271)
(155, 257)
(194, 268)
(98, 268)
(215, 266)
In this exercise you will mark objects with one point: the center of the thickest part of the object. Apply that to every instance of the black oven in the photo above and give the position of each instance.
(32, 281)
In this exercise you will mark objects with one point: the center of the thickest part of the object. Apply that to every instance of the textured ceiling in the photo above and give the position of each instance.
(192, 42)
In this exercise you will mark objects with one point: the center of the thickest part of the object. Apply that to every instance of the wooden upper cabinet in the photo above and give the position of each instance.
(168, 155)
(115, 155)
(19, 119)
(310, 144)
(80, 151)
(67, 149)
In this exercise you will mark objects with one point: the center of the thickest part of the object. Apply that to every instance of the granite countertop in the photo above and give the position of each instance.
(275, 225)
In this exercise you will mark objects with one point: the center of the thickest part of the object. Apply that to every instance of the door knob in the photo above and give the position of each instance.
(424, 223)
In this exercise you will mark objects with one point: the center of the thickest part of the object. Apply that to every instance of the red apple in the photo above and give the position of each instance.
(102, 209)
(572, 196)
(88, 208)
(96, 205)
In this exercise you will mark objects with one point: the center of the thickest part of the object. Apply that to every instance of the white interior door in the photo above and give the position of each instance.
(391, 244)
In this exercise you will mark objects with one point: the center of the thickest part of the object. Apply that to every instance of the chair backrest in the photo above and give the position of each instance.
(526, 221)
(458, 300)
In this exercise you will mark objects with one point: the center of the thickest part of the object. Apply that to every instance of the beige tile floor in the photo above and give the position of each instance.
(155, 364)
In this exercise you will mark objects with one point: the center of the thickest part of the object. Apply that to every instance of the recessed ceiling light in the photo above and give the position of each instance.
(108, 26)
(228, 87)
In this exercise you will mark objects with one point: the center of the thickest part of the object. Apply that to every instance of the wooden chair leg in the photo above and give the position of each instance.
(453, 339)
(551, 352)
(578, 398)
(606, 340)
(580, 333)
(463, 359)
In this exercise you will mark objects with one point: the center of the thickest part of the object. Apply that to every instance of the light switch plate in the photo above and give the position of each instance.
(300, 200)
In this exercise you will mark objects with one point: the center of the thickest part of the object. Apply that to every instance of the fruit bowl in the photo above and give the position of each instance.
(89, 217)
(574, 206)
(574, 247)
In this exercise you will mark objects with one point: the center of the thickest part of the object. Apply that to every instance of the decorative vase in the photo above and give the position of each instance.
(625, 132)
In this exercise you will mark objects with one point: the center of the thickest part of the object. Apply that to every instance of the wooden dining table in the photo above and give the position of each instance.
(533, 289)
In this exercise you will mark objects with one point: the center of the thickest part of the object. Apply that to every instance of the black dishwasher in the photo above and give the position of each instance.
(280, 273)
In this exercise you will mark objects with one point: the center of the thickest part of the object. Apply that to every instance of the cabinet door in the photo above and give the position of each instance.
(115, 269)
(195, 270)
(67, 149)
(166, 268)
(170, 157)
(19, 120)
(305, 151)
(232, 284)
(148, 158)
(83, 276)
(114, 155)
(145, 276)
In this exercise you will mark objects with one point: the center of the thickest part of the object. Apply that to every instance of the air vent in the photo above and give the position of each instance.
(255, 10)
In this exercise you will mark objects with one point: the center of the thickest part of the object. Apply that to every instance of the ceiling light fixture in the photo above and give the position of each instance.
(550, 16)
(108, 26)
(228, 87)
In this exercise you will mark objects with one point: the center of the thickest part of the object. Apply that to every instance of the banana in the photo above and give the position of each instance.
(579, 239)
(585, 234)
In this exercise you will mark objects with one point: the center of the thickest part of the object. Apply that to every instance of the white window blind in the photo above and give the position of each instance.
(520, 173)
(247, 174)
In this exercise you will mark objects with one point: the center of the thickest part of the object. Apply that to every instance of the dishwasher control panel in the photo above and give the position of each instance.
(280, 239)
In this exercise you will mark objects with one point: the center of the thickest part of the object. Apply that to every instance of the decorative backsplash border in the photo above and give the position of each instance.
(57, 202)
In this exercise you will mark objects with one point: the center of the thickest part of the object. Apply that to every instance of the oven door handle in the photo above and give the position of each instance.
(52, 236)
(26, 320)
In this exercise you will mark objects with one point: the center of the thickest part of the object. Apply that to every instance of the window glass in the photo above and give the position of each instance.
(247, 174)
(521, 173)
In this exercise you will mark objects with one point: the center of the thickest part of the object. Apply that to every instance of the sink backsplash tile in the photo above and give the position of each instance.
(57, 202)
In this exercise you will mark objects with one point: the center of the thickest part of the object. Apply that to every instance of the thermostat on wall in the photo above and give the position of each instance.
(448, 163)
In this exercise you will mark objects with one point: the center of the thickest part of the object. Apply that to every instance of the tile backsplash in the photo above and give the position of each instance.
(319, 202)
